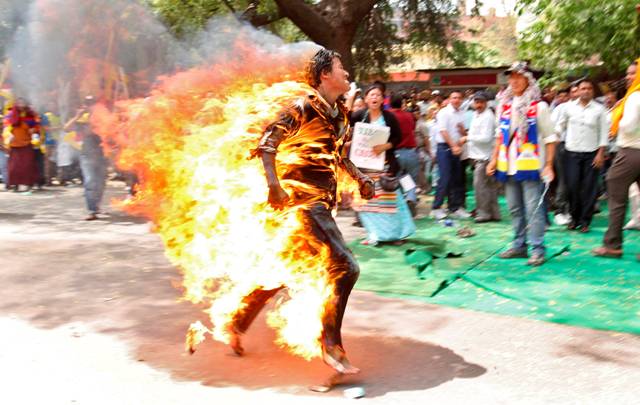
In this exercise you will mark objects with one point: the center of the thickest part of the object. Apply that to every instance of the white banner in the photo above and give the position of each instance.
(365, 137)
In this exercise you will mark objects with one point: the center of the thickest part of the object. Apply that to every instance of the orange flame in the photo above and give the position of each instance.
(190, 143)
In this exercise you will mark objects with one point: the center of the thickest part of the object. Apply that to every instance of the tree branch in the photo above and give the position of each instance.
(229, 6)
(258, 20)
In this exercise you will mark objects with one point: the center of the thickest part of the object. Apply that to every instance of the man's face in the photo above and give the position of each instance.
(479, 105)
(574, 93)
(518, 83)
(549, 94)
(562, 98)
(586, 92)
(337, 78)
(455, 99)
(610, 99)
(631, 74)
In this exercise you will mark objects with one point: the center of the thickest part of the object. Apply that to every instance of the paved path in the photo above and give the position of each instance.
(90, 315)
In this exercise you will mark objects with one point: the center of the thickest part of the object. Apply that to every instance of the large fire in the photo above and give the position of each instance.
(190, 142)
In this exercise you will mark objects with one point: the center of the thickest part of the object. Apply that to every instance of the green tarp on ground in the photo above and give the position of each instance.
(573, 288)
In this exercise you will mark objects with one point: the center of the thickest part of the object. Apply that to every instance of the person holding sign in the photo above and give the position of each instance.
(386, 217)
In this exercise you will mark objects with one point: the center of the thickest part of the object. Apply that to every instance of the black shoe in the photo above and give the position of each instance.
(572, 226)
(536, 259)
(513, 253)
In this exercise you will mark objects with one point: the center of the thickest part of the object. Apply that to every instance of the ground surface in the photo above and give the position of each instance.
(90, 315)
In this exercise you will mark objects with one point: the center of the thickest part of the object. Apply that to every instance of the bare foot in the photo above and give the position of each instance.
(336, 358)
(235, 342)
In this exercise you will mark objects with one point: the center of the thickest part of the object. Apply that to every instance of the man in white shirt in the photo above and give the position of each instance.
(587, 137)
(523, 158)
(481, 140)
(558, 190)
(450, 121)
(626, 168)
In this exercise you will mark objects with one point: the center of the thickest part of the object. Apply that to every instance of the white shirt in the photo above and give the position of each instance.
(545, 134)
(555, 118)
(629, 128)
(586, 126)
(482, 135)
(448, 119)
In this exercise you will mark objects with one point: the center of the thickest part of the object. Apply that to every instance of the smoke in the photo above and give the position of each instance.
(116, 49)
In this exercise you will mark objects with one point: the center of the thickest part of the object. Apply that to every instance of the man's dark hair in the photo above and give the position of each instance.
(396, 101)
(564, 90)
(455, 91)
(322, 62)
(586, 80)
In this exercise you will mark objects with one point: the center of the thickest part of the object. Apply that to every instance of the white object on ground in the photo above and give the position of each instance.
(354, 393)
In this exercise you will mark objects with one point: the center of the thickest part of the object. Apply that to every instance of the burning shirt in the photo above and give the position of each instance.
(309, 136)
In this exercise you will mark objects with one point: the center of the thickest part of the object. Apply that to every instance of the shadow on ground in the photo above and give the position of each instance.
(127, 289)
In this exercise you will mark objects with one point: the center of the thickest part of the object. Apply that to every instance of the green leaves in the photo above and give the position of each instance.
(567, 36)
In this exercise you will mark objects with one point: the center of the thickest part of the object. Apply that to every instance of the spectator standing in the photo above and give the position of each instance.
(386, 216)
(585, 124)
(522, 158)
(559, 186)
(481, 141)
(21, 123)
(626, 168)
(405, 151)
(451, 130)
(92, 161)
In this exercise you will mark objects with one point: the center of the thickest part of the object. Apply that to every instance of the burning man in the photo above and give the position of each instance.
(317, 125)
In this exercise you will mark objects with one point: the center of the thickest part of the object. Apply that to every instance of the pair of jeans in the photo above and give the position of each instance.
(450, 181)
(527, 218)
(4, 168)
(409, 162)
(582, 185)
(94, 175)
(343, 271)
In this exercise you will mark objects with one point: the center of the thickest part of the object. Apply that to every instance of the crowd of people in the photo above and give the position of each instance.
(38, 150)
(557, 151)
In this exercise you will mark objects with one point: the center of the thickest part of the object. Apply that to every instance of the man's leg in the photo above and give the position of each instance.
(444, 168)
(409, 162)
(90, 184)
(589, 189)
(515, 201)
(482, 191)
(624, 172)
(535, 216)
(572, 181)
(344, 272)
(456, 184)
(561, 186)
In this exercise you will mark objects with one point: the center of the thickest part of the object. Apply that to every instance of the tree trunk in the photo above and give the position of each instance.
(330, 23)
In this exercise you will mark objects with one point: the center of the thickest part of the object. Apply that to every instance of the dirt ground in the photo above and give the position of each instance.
(91, 314)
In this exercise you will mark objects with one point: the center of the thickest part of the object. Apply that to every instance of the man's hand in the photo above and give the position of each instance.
(378, 149)
(367, 189)
(456, 150)
(462, 140)
(491, 168)
(547, 174)
(598, 161)
(278, 198)
(461, 129)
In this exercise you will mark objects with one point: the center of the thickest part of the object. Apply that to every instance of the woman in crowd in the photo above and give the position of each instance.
(386, 217)
(21, 123)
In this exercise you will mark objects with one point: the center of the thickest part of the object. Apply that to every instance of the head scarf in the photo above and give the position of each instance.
(532, 93)
(616, 115)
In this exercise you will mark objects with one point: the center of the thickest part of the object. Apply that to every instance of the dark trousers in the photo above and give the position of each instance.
(560, 192)
(623, 173)
(450, 183)
(582, 185)
(343, 272)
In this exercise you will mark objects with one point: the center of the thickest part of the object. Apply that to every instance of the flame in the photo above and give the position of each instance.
(189, 141)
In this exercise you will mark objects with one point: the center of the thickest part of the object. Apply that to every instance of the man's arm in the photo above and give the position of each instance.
(288, 122)
(367, 188)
